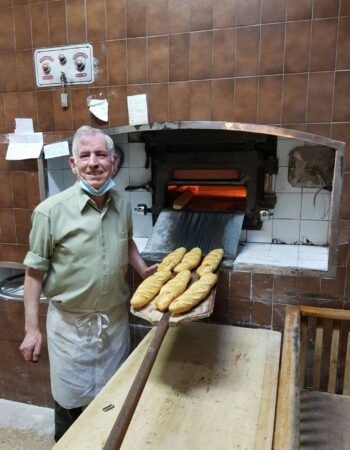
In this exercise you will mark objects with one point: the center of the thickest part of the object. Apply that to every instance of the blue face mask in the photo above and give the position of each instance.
(102, 190)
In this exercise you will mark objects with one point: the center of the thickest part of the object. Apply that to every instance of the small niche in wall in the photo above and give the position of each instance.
(311, 167)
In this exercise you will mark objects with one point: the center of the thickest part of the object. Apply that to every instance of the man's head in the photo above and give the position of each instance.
(94, 157)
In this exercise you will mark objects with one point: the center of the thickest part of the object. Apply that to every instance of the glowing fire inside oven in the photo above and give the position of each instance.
(211, 191)
(207, 198)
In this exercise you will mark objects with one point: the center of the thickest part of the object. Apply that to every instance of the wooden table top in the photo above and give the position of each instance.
(212, 387)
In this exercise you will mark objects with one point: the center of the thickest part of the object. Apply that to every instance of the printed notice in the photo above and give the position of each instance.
(99, 108)
(137, 109)
(24, 146)
(56, 149)
(24, 126)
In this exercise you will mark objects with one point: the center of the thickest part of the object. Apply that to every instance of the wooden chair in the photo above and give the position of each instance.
(313, 403)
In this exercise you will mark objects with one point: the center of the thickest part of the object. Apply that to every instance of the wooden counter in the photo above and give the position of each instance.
(212, 387)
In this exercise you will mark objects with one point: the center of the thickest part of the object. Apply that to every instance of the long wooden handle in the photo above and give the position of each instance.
(123, 420)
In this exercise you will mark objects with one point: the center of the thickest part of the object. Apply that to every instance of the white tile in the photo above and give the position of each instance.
(140, 197)
(284, 146)
(251, 253)
(55, 182)
(263, 235)
(122, 180)
(282, 184)
(314, 231)
(313, 251)
(54, 164)
(68, 178)
(286, 231)
(137, 154)
(319, 210)
(316, 190)
(243, 236)
(65, 162)
(287, 206)
(140, 176)
(319, 264)
(283, 251)
(141, 243)
(283, 256)
(142, 225)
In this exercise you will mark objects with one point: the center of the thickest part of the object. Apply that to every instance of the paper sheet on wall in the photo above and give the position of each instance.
(56, 150)
(24, 146)
(24, 126)
(137, 109)
(99, 108)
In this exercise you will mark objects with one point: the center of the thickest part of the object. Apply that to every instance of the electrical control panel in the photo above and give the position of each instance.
(60, 66)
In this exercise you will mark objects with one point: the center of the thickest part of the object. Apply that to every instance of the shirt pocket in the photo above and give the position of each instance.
(123, 253)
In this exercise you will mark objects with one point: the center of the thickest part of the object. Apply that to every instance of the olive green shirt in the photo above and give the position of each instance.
(83, 251)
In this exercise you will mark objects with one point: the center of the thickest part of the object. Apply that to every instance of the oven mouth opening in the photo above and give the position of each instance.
(198, 197)
(208, 175)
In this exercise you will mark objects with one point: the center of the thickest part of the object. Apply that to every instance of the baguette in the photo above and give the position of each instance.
(190, 260)
(194, 294)
(172, 260)
(149, 288)
(210, 262)
(172, 289)
(182, 200)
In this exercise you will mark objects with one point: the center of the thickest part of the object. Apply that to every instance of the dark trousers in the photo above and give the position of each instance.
(64, 418)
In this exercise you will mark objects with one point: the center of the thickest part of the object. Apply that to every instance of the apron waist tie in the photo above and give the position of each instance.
(102, 323)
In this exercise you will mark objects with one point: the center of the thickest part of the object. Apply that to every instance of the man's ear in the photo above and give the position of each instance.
(115, 164)
(73, 165)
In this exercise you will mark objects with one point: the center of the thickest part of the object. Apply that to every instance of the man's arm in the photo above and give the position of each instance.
(31, 345)
(135, 259)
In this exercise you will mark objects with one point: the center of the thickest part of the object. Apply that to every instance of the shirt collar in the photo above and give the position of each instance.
(113, 200)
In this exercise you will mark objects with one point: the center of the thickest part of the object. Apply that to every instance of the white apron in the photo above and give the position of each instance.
(85, 350)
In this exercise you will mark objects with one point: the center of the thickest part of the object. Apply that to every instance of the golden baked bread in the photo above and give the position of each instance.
(194, 294)
(149, 288)
(190, 260)
(210, 262)
(172, 289)
(172, 260)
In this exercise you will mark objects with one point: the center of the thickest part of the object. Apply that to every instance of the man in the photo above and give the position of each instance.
(80, 246)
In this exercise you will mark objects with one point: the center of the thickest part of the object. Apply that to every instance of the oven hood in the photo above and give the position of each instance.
(207, 230)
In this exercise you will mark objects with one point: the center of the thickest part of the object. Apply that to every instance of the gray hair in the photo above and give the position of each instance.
(86, 131)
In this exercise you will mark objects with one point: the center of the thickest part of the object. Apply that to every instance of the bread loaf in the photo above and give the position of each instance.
(172, 260)
(172, 289)
(210, 262)
(182, 200)
(194, 294)
(190, 260)
(149, 288)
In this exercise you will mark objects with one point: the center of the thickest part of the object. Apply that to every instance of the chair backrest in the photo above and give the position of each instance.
(325, 349)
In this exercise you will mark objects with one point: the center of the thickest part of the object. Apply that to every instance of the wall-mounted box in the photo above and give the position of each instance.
(75, 62)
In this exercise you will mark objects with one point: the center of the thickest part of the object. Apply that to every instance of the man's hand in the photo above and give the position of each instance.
(150, 270)
(31, 346)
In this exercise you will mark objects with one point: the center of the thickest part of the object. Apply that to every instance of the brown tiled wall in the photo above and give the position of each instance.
(258, 61)
(21, 381)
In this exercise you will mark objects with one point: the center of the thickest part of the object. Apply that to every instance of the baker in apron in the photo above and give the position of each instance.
(80, 246)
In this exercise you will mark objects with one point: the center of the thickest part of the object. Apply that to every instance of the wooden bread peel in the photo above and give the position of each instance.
(163, 321)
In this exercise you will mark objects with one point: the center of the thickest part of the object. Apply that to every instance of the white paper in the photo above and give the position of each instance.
(24, 146)
(56, 149)
(99, 108)
(24, 126)
(137, 108)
